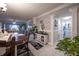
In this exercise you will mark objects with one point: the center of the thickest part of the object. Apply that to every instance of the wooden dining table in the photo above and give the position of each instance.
(4, 40)
(13, 40)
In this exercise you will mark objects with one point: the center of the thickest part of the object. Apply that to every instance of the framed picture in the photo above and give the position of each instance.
(55, 23)
(42, 25)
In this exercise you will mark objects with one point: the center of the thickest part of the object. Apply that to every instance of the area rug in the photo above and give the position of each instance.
(23, 51)
(36, 45)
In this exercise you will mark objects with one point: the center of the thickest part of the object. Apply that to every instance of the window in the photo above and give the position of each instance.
(14, 27)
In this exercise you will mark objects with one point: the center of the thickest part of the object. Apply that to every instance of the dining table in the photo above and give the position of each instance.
(11, 40)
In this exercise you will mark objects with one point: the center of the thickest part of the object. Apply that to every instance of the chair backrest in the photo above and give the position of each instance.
(12, 46)
(22, 38)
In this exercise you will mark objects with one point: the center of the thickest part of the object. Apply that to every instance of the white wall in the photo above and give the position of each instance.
(78, 22)
(48, 21)
(74, 22)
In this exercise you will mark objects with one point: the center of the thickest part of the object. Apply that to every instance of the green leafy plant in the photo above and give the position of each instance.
(69, 46)
(34, 29)
(42, 32)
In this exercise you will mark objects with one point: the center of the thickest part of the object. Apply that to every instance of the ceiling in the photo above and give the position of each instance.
(25, 11)
(63, 13)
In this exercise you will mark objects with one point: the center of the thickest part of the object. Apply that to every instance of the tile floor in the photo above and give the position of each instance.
(47, 50)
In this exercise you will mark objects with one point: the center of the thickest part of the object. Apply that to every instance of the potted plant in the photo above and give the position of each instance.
(69, 46)
(42, 32)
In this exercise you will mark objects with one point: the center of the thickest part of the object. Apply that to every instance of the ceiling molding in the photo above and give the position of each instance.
(53, 10)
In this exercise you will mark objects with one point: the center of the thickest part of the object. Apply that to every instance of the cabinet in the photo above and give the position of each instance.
(42, 39)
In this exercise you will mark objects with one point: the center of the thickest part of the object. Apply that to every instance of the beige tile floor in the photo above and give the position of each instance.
(47, 50)
(2, 50)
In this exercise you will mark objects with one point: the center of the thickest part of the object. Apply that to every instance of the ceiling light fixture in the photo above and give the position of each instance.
(2, 8)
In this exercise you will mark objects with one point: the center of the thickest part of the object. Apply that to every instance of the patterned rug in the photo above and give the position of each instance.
(36, 45)
(23, 51)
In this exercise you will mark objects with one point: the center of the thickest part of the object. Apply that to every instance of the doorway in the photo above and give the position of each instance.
(62, 25)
